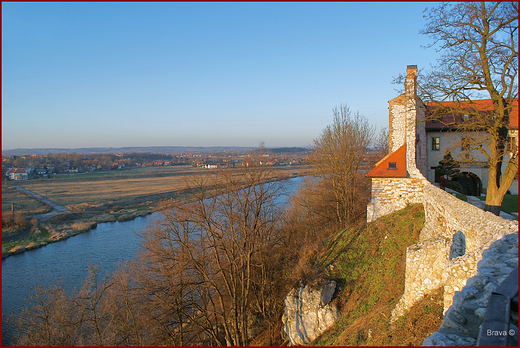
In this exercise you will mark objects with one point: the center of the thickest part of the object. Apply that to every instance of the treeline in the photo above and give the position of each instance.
(283, 150)
(215, 271)
(83, 160)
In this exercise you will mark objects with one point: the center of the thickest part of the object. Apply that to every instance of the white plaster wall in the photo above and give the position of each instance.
(421, 148)
(450, 141)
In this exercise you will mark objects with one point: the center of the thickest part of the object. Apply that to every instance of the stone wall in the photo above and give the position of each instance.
(391, 194)
(451, 243)
(462, 321)
(455, 235)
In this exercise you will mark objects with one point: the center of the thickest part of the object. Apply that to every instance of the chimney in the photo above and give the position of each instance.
(410, 85)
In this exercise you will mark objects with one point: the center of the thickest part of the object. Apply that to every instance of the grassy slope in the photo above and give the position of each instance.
(369, 264)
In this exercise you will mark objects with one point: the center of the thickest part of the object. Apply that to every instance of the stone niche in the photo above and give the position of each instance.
(309, 311)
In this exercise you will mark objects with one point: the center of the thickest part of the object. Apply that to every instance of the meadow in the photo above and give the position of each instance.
(96, 197)
(122, 188)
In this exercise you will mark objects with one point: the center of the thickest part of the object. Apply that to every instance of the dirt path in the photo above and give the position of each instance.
(56, 208)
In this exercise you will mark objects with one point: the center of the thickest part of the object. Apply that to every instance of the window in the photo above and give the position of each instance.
(465, 117)
(436, 143)
(511, 144)
(392, 166)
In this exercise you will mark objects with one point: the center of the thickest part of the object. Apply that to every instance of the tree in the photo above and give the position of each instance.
(381, 143)
(208, 273)
(479, 59)
(337, 158)
(448, 167)
(208, 261)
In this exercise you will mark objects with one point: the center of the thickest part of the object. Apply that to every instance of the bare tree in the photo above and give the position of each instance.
(49, 322)
(205, 275)
(381, 143)
(211, 253)
(479, 59)
(337, 158)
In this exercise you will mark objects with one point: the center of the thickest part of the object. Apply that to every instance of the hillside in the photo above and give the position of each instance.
(368, 262)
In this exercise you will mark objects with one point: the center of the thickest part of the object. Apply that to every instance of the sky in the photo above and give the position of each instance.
(99, 74)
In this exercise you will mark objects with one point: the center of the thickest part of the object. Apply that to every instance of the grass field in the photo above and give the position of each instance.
(123, 188)
(21, 202)
(97, 197)
(509, 204)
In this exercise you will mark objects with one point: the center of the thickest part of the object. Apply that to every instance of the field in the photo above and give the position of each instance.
(125, 188)
(94, 198)
(12, 198)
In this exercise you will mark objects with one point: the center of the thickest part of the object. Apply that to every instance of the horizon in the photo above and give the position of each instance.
(82, 75)
(132, 149)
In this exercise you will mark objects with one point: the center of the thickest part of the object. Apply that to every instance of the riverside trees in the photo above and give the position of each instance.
(338, 156)
(215, 270)
(215, 253)
(208, 273)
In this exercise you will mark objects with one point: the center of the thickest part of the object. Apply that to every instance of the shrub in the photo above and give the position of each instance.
(20, 220)
(83, 226)
(34, 223)
(454, 186)
(17, 248)
(7, 219)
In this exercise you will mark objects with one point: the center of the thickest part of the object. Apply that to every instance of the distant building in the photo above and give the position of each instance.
(40, 171)
(18, 174)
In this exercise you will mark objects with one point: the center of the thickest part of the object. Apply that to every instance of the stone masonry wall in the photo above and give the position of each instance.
(455, 235)
(396, 124)
(462, 321)
(428, 263)
(391, 194)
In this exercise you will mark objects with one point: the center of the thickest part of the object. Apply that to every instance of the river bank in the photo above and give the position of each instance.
(81, 218)
(108, 245)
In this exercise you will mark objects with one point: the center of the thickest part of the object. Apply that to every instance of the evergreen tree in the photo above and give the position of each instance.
(448, 167)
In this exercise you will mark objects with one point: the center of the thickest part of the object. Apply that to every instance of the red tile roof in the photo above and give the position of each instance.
(382, 169)
(480, 105)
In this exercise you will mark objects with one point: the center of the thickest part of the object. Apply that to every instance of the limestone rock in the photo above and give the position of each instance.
(308, 312)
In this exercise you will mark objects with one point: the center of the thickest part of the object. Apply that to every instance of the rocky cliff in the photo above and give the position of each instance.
(309, 311)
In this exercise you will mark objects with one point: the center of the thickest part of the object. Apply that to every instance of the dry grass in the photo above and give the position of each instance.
(82, 193)
(101, 197)
(83, 226)
(17, 248)
(27, 205)
(369, 262)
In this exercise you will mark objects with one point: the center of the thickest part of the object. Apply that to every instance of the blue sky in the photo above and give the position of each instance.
(199, 74)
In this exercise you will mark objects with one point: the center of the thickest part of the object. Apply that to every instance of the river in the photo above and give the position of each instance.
(108, 245)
